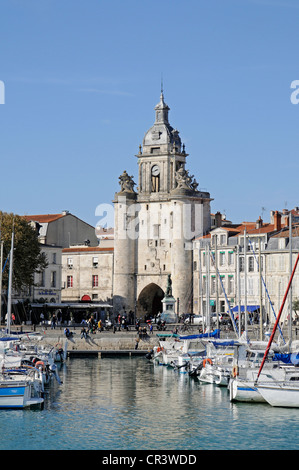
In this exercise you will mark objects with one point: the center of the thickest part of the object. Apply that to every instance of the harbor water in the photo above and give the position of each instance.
(131, 404)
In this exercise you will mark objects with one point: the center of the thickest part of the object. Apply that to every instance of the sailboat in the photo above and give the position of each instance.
(286, 393)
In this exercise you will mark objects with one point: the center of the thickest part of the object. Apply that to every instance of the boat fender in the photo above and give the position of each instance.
(207, 360)
(40, 363)
(235, 371)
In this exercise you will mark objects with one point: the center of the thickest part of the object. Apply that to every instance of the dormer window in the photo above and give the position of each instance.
(222, 239)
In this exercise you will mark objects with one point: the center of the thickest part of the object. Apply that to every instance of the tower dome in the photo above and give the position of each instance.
(161, 135)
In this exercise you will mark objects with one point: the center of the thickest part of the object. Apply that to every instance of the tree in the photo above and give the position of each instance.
(296, 307)
(27, 258)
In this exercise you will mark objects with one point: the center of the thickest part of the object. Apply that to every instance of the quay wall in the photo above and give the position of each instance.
(100, 341)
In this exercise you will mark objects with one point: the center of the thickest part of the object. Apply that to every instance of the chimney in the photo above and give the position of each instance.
(259, 222)
(218, 219)
(277, 221)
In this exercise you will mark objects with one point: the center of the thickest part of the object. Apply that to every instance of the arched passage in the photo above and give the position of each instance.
(149, 301)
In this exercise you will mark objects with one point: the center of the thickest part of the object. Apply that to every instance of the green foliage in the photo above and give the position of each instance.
(28, 257)
(296, 306)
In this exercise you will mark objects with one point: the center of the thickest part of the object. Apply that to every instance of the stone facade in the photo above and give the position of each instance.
(47, 284)
(87, 274)
(155, 224)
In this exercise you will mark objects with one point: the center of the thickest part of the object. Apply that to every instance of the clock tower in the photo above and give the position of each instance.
(166, 212)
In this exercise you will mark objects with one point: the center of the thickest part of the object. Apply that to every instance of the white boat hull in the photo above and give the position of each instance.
(283, 395)
(244, 391)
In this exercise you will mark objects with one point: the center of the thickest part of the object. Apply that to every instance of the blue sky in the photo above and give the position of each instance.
(82, 79)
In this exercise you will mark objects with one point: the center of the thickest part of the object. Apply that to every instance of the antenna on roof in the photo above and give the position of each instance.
(161, 82)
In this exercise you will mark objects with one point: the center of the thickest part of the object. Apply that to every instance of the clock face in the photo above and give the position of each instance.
(155, 170)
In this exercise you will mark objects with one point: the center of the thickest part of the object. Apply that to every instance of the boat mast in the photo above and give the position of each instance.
(216, 279)
(1, 267)
(291, 291)
(261, 293)
(10, 283)
(239, 289)
(245, 282)
(208, 291)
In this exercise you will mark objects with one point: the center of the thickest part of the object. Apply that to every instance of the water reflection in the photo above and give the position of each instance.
(129, 403)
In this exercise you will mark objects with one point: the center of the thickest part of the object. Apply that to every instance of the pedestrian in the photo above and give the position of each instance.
(136, 343)
(83, 333)
(42, 318)
(59, 317)
(151, 328)
(53, 324)
(68, 333)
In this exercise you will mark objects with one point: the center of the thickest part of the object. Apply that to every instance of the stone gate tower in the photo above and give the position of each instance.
(155, 225)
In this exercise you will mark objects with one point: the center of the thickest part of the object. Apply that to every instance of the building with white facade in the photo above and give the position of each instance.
(87, 274)
(225, 275)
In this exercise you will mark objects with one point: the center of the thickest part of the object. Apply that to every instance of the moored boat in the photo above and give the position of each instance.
(21, 388)
(280, 394)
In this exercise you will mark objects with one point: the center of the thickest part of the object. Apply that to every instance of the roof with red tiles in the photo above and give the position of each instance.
(86, 249)
(43, 218)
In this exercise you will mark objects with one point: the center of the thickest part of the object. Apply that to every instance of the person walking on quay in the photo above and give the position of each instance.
(53, 324)
(42, 319)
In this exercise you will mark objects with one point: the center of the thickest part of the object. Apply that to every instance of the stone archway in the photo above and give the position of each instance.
(149, 301)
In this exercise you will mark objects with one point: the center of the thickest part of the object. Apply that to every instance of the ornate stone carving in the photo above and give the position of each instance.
(185, 181)
(126, 183)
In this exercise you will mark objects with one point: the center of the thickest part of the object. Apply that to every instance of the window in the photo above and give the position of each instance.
(222, 258)
(251, 264)
(42, 279)
(230, 284)
(241, 264)
(95, 262)
(53, 279)
(213, 285)
(70, 263)
(69, 281)
(204, 285)
(95, 280)
(54, 258)
(156, 230)
(250, 286)
(230, 258)
(171, 219)
(281, 262)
